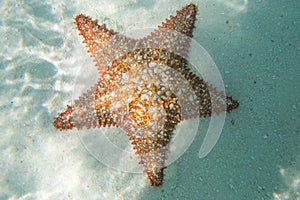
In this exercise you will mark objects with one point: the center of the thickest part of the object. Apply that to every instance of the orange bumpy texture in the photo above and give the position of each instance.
(145, 87)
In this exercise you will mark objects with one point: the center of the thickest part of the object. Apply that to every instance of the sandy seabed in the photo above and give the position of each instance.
(255, 45)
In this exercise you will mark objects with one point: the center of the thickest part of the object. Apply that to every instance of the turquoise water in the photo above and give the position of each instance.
(255, 45)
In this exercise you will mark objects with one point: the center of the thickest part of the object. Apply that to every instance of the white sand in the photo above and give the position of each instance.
(255, 44)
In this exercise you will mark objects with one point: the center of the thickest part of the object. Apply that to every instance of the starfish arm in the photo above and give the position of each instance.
(175, 33)
(103, 44)
(231, 104)
(64, 120)
(90, 110)
(92, 33)
(150, 135)
(154, 166)
(93, 109)
(183, 22)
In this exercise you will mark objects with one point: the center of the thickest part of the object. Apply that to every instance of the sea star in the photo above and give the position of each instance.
(145, 87)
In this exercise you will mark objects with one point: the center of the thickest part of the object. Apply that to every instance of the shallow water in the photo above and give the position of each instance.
(255, 45)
